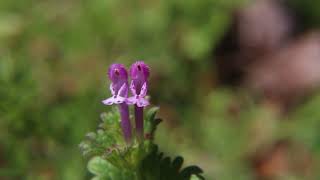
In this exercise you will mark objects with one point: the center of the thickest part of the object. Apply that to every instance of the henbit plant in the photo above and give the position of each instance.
(119, 151)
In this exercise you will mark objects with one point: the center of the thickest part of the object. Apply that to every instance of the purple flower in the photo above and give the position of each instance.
(119, 90)
(119, 86)
(139, 73)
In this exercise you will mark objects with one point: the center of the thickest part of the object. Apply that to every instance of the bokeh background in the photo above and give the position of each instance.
(237, 82)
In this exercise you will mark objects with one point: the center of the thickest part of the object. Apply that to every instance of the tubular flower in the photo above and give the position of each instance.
(119, 86)
(139, 73)
(119, 90)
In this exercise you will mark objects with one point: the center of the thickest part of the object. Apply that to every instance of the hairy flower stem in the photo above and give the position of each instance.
(125, 122)
(139, 122)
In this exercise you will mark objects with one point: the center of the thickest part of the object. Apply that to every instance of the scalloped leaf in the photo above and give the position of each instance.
(177, 163)
(156, 166)
(98, 166)
(114, 159)
(187, 172)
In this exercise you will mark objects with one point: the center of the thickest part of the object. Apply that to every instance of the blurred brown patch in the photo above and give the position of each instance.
(257, 29)
(281, 159)
(289, 73)
(263, 26)
(3, 162)
(42, 48)
(170, 115)
(263, 52)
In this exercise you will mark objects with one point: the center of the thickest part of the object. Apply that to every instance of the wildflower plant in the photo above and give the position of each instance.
(119, 151)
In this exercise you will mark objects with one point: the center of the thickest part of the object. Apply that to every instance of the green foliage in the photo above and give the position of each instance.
(157, 167)
(115, 159)
(103, 170)
(153, 167)
(235, 129)
(308, 10)
(53, 60)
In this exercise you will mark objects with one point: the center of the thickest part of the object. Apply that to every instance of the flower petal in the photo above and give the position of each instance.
(109, 101)
(123, 90)
(143, 91)
(119, 100)
(142, 102)
(133, 89)
(113, 92)
(131, 100)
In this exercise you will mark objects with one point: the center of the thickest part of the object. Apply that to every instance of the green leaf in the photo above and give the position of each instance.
(177, 163)
(151, 123)
(188, 171)
(151, 114)
(98, 166)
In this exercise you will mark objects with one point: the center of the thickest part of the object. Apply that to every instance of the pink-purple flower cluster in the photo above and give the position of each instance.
(139, 74)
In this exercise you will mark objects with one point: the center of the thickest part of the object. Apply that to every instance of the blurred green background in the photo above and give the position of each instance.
(54, 55)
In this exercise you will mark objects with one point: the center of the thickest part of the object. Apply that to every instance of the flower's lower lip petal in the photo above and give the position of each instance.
(108, 101)
(131, 100)
(142, 102)
(119, 100)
